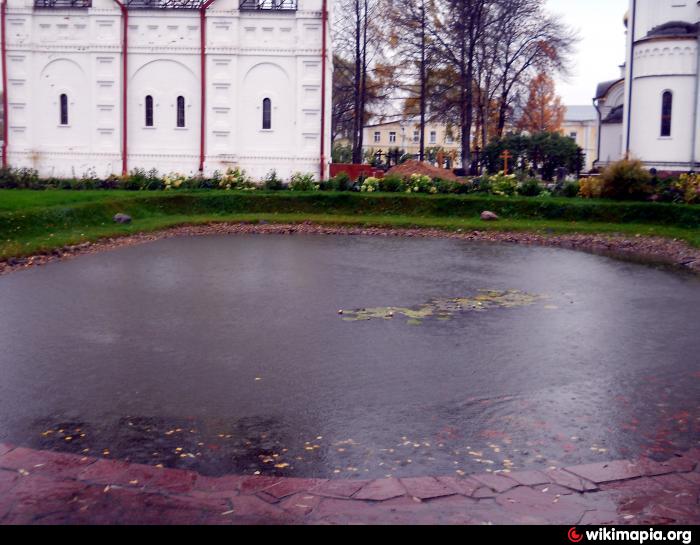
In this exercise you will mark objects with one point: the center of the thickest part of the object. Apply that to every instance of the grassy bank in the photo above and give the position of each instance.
(31, 222)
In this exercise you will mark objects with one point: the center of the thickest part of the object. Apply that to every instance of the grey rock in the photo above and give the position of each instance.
(487, 215)
(122, 218)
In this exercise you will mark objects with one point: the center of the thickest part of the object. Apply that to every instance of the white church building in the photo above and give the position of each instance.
(651, 111)
(182, 86)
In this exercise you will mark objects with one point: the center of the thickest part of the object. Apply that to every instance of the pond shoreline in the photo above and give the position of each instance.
(650, 250)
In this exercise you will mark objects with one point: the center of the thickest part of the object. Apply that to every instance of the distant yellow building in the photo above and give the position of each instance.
(581, 125)
(405, 135)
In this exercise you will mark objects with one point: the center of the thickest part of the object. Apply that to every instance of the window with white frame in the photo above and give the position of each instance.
(377, 137)
(392, 137)
(433, 137)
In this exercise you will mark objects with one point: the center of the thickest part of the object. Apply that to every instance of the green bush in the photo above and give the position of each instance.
(569, 190)
(271, 182)
(418, 183)
(530, 188)
(340, 182)
(303, 182)
(626, 180)
(392, 184)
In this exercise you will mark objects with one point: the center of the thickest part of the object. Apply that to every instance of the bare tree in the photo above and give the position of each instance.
(458, 30)
(358, 38)
(410, 20)
(528, 40)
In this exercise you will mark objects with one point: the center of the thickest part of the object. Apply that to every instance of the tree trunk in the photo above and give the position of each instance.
(423, 86)
(356, 149)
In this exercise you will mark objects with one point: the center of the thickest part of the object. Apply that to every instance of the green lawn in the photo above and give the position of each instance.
(31, 221)
(19, 199)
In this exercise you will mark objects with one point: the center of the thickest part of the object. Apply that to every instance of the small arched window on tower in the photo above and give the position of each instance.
(180, 112)
(267, 114)
(149, 111)
(666, 113)
(64, 109)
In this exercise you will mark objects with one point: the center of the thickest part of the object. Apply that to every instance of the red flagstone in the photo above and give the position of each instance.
(692, 477)
(380, 490)
(672, 482)
(426, 487)
(252, 510)
(495, 482)
(5, 448)
(569, 480)
(300, 505)
(618, 470)
(529, 478)
(256, 483)
(484, 492)
(7, 480)
(693, 454)
(538, 507)
(339, 489)
(553, 489)
(287, 487)
(462, 485)
(112, 492)
(43, 462)
(103, 471)
(227, 485)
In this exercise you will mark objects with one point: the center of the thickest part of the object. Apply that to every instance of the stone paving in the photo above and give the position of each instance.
(43, 487)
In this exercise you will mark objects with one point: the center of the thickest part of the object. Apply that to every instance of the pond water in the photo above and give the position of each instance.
(227, 354)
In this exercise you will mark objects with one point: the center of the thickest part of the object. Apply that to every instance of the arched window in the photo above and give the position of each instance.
(666, 113)
(180, 111)
(149, 111)
(64, 109)
(267, 114)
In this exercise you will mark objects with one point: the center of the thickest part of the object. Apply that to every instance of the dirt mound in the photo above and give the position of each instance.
(424, 169)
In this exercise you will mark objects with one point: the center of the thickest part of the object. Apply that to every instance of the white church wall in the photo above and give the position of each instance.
(250, 56)
(660, 65)
(646, 141)
(652, 13)
(610, 142)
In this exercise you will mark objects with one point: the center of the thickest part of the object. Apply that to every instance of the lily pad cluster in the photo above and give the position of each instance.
(445, 308)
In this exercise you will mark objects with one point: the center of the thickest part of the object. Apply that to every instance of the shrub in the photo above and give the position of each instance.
(236, 178)
(303, 182)
(340, 182)
(688, 188)
(626, 179)
(501, 184)
(135, 180)
(370, 185)
(420, 183)
(530, 188)
(590, 188)
(173, 181)
(392, 184)
(271, 182)
(569, 190)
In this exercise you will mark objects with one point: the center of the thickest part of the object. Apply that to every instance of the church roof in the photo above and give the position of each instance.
(604, 87)
(675, 29)
(615, 115)
(580, 113)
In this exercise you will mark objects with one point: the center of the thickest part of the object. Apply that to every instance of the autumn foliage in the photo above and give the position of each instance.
(543, 111)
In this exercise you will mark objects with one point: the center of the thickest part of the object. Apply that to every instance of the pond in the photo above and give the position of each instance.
(229, 354)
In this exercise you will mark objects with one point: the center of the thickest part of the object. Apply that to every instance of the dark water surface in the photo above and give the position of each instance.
(227, 354)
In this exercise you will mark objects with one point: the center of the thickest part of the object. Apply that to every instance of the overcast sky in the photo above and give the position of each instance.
(601, 49)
